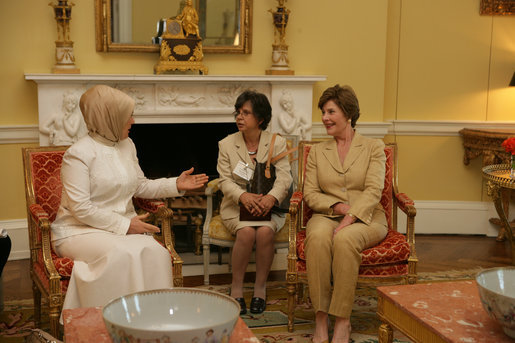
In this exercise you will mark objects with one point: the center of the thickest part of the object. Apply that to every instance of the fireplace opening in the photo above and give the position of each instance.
(166, 150)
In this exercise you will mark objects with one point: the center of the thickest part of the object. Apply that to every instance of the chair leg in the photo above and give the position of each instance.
(230, 260)
(36, 293)
(219, 255)
(54, 313)
(291, 289)
(198, 235)
(206, 264)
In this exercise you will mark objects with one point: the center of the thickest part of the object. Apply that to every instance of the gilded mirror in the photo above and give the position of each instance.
(131, 25)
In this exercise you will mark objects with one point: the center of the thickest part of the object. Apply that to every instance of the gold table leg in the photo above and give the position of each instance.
(495, 191)
(385, 333)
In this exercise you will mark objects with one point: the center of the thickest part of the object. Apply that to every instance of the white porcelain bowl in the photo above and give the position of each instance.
(497, 292)
(171, 315)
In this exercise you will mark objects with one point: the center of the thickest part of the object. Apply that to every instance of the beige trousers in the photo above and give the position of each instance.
(338, 260)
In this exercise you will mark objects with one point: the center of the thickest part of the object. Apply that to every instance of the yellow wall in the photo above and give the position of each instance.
(407, 60)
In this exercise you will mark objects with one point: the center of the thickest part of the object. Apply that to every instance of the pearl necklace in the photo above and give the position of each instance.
(252, 152)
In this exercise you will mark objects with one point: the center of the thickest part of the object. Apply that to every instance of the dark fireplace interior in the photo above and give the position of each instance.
(165, 150)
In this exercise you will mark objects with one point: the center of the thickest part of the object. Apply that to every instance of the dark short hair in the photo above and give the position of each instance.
(345, 98)
(260, 106)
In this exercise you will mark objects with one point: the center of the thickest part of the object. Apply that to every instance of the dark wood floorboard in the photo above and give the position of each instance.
(435, 253)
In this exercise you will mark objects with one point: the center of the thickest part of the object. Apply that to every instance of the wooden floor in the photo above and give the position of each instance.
(435, 253)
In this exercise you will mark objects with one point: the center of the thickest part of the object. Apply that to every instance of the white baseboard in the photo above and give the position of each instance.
(19, 235)
(433, 217)
(452, 217)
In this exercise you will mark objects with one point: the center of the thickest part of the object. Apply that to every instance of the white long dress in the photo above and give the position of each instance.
(91, 226)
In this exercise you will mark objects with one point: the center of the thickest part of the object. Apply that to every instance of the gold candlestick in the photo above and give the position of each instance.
(280, 48)
(65, 60)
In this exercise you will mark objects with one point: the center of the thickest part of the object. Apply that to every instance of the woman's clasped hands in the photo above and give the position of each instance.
(257, 204)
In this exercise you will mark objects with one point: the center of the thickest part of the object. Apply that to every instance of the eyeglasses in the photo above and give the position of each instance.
(243, 112)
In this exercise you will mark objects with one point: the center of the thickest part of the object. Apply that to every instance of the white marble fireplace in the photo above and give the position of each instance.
(173, 99)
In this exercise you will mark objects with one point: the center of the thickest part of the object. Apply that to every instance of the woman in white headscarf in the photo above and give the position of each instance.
(96, 224)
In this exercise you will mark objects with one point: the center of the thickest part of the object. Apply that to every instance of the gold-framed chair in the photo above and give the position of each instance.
(392, 261)
(50, 274)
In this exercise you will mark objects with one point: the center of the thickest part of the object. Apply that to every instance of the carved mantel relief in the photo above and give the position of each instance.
(176, 99)
(65, 127)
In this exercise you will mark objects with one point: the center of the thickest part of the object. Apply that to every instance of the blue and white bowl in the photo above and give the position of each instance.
(171, 315)
(497, 292)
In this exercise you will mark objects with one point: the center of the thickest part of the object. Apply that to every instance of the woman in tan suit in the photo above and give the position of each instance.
(343, 185)
(237, 156)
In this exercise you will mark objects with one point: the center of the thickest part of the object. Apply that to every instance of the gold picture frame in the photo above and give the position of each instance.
(104, 32)
(497, 7)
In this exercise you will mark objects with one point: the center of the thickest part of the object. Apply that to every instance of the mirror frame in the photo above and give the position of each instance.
(104, 41)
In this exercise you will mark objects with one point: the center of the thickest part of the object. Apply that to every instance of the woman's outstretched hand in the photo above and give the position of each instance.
(186, 181)
(138, 225)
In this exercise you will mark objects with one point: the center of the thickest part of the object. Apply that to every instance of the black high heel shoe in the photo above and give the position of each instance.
(257, 305)
(243, 306)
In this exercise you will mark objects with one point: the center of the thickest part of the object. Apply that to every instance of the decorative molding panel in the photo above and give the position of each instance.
(19, 134)
(442, 127)
(30, 133)
(368, 129)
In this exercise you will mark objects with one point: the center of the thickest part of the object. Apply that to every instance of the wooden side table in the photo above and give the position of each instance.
(487, 143)
(498, 176)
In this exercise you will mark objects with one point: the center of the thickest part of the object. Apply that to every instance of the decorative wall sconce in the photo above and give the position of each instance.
(65, 60)
(280, 48)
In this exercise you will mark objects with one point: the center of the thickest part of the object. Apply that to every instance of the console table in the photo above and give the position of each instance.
(487, 143)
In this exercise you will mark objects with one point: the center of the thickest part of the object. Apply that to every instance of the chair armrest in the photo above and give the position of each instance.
(41, 219)
(295, 224)
(165, 216)
(212, 187)
(210, 190)
(149, 205)
(38, 213)
(296, 197)
(405, 203)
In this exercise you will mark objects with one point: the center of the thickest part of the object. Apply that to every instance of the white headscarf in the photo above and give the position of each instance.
(106, 111)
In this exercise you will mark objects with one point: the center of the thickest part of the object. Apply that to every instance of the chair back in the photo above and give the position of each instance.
(43, 176)
(390, 182)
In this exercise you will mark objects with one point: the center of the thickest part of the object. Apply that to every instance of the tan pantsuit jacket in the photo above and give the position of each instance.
(359, 183)
(232, 149)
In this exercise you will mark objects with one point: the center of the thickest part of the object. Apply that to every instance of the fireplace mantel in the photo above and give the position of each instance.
(175, 99)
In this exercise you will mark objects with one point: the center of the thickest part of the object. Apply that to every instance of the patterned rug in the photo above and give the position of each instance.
(17, 319)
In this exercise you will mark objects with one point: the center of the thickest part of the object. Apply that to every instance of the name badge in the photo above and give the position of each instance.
(243, 170)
